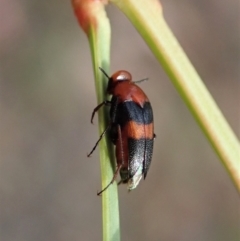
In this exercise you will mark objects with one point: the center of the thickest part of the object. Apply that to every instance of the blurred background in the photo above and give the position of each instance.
(48, 185)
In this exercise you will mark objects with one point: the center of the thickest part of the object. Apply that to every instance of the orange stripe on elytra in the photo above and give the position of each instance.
(138, 131)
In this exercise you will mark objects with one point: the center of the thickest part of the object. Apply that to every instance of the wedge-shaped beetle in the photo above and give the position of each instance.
(131, 128)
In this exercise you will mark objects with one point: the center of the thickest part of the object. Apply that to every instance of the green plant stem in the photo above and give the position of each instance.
(94, 22)
(100, 49)
(92, 18)
(147, 17)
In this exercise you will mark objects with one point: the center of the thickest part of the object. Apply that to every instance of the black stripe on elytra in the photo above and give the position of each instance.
(131, 111)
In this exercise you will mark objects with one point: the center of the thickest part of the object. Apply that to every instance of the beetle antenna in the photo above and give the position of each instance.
(104, 72)
(141, 80)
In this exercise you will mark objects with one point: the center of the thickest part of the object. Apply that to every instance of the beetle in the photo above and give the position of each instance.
(131, 128)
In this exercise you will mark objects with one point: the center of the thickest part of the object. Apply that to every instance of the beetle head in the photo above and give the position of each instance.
(117, 78)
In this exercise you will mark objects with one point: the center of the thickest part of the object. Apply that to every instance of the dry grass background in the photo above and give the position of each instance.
(47, 184)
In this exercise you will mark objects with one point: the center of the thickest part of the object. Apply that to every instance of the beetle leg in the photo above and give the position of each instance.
(106, 102)
(119, 167)
(121, 144)
(113, 179)
(120, 182)
(100, 138)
